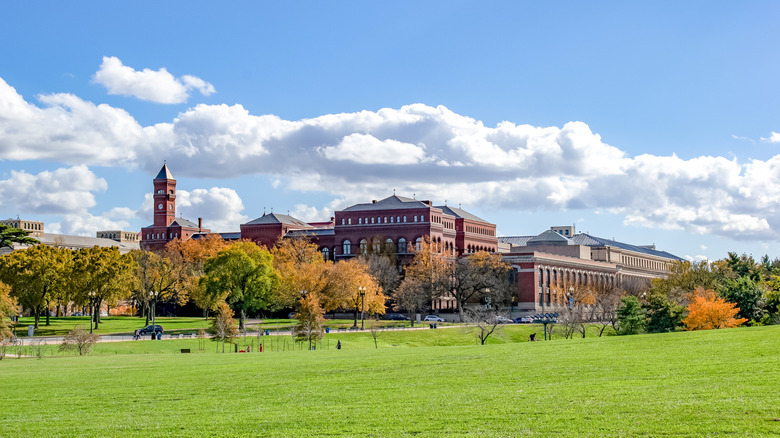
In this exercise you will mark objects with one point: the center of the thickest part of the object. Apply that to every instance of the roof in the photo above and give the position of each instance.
(460, 213)
(394, 202)
(593, 241)
(276, 218)
(315, 232)
(76, 242)
(183, 223)
(164, 173)
(549, 237)
(232, 235)
(587, 239)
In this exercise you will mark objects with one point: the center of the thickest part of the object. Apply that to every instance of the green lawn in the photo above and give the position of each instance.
(710, 383)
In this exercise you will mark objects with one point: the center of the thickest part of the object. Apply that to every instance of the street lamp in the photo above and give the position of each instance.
(154, 312)
(362, 292)
(91, 309)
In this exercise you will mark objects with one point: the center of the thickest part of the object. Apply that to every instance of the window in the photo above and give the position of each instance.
(418, 243)
(415, 218)
(372, 220)
(401, 245)
(385, 219)
(404, 219)
(349, 221)
(342, 221)
(360, 221)
(363, 246)
(325, 254)
(389, 244)
(391, 219)
(398, 219)
(346, 248)
(377, 246)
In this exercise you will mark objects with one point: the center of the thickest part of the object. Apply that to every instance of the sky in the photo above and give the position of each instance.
(647, 122)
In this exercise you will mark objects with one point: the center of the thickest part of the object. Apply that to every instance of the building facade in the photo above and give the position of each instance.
(35, 228)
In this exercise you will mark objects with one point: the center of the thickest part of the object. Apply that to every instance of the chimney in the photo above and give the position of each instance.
(200, 224)
(373, 201)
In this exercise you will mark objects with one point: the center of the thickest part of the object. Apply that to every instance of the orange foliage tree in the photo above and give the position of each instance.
(708, 311)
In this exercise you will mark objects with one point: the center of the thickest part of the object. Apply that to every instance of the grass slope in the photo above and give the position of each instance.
(722, 382)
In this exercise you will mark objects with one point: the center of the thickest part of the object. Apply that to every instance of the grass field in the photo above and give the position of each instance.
(59, 326)
(711, 383)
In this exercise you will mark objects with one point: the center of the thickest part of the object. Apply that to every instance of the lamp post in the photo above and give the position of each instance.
(91, 309)
(154, 312)
(362, 292)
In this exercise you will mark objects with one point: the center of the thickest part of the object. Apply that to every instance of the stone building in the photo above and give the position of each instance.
(35, 228)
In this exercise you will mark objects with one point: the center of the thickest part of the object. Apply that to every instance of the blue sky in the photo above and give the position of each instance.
(648, 123)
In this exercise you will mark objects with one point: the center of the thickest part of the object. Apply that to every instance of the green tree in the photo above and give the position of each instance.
(10, 235)
(8, 308)
(243, 276)
(631, 316)
(663, 314)
(747, 293)
(37, 275)
(103, 276)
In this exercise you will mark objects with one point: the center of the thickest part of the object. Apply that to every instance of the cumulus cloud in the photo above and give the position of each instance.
(63, 191)
(154, 86)
(219, 207)
(774, 138)
(85, 224)
(416, 149)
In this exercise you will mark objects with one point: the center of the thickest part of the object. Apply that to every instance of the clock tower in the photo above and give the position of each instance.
(164, 198)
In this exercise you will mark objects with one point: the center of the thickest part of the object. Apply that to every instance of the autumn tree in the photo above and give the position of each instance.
(156, 281)
(10, 235)
(300, 267)
(349, 285)
(708, 311)
(223, 326)
(427, 277)
(310, 320)
(8, 308)
(102, 275)
(188, 259)
(243, 276)
(384, 269)
(37, 275)
(478, 275)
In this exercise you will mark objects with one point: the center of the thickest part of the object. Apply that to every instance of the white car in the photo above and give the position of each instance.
(433, 318)
(503, 320)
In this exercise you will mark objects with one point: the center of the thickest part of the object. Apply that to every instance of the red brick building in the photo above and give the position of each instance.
(166, 226)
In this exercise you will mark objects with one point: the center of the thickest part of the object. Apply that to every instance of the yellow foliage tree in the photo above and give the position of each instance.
(187, 259)
(708, 311)
(8, 307)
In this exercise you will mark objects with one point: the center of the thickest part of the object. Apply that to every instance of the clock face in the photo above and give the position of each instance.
(160, 207)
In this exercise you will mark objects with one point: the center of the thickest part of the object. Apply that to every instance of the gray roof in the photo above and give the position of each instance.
(75, 242)
(549, 237)
(394, 202)
(232, 235)
(183, 222)
(276, 218)
(460, 213)
(315, 232)
(593, 241)
(164, 173)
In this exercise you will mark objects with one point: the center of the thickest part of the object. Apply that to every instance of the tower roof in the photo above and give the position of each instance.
(164, 173)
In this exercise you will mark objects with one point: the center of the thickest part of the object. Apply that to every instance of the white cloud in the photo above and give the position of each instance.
(85, 224)
(774, 138)
(430, 151)
(155, 86)
(63, 191)
(219, 207)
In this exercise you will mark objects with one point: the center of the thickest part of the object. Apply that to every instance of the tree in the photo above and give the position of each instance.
(37, 275)
(663, 314)
(384, 269)
(188, 258)
(156, 280)
(484, 322)
(480, 274)
(349, 285)
(8, 308)
(747, 294)
(310, 320)
(102, 275)
(243, 276)
(428, 277)
(10, 235)
(631, 316)
(80, 340)
(223, 326)
(607, 299)
(708, 311)
(300, 267)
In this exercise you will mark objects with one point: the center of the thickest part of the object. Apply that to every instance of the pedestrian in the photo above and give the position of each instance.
(338, 345)
(159, 335)
(248, 348)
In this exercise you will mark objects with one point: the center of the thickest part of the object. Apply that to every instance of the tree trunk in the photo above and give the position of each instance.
(37, 310)
(356, 312)
(48, 312)
(241, 319)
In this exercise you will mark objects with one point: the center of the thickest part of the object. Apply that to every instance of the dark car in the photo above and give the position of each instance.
(396, 317)
(149, 329)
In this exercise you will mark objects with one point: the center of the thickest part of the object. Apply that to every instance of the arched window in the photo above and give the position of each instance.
(349, 221)
(346, 247)
(401, 245)
(342, 221)
(363, 246)
(377, 246)
(385, 219)
(391, 219)
(418, 243)
(398, 219)
(404, 218)
(360, 221)
(325, 254)
(415, 218)
(372, 220)
(389, 244)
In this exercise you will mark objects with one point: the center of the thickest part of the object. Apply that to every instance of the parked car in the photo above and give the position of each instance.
(396, 317)
(523, 320)
(503, 320)
(149, 329)
(433, 318)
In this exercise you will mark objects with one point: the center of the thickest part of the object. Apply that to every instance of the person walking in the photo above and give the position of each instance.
(338, 345)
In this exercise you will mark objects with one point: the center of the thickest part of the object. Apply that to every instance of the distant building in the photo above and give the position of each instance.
(167, 226)
(548, 264)
(35, 228)
(119, 235)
